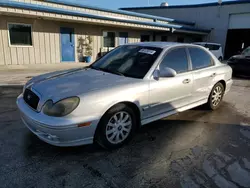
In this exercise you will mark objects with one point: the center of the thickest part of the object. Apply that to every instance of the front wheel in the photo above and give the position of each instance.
(116, 127)
(216, 96)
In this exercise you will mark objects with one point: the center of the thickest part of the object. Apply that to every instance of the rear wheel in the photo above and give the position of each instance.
(116, 127)
(216, 96)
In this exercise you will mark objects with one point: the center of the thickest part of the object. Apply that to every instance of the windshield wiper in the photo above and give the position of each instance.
(114, 72)
(96, 68)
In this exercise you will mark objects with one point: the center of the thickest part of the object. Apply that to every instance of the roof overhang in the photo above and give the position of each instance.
(189, 32)
(129, 13)
(46, 12)
(53, 13)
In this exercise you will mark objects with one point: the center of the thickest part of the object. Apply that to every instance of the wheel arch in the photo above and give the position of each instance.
(136, 110)
(135, 107)
(223, 83)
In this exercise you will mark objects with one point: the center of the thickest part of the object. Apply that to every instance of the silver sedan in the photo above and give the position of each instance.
(130, 86)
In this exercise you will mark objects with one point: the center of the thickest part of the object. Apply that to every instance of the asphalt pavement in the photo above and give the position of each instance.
(196, 148)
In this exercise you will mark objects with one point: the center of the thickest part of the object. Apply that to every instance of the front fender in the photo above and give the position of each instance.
(95, 104)
(135, 102)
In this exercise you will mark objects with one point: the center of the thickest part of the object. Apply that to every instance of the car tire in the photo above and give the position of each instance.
(116, 127)
(216, 96)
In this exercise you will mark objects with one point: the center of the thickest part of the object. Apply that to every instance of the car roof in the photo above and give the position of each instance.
(160, 44)
(207, 43)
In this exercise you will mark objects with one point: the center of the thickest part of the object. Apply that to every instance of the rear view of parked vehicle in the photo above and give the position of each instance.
(215, 48)
(131, 86)
(241, 63)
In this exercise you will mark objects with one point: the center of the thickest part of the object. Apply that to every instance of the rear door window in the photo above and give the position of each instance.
(216, 47)
(200, 58)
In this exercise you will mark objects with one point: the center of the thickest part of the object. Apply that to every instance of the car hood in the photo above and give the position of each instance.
(61, 84)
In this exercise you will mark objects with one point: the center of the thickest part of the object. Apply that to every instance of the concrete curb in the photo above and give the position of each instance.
(11, 85)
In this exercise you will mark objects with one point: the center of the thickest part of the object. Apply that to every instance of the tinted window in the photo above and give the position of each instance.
(129, 60)
(200, 58)
(164, 38)
(197, 39)
(145, 38)
(200, 44)
(246, 52)
(216, 47)
(108, 39)
(180, 39)
(123, 38)
(176, 59)
(20, 34)
(212, 46)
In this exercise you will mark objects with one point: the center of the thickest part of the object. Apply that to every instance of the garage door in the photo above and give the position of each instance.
(239, 21)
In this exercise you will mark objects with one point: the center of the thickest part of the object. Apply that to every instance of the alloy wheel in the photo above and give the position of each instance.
(217, 95)
(119, 127)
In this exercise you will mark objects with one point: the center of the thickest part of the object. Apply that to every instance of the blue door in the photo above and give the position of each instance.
(123, 38)
(67, 44)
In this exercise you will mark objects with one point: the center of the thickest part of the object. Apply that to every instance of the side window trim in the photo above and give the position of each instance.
(190, 65)
(174, 48)
(190, 59)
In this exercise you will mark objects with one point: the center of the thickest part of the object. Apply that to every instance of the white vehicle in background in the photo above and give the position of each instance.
(215, 48)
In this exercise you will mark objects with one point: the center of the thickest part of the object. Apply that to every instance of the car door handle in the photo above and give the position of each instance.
(186, 81)
(213, 75)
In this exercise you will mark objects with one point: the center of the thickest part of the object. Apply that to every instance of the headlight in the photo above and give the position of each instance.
(61, 108)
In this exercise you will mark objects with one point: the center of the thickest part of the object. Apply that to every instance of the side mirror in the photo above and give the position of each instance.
(156, 74)
(167, 72)
(164, 73)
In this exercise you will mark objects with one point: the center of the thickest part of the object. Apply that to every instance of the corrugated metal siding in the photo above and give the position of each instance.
(46, 40)
(96, 32)
(2, 53)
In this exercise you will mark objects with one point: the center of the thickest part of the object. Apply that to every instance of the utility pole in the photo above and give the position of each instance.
(148, 2)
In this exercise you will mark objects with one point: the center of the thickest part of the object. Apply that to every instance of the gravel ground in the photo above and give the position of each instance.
(196, 148)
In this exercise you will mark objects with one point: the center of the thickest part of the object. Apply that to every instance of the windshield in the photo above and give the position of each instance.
(246, 52)
(129, 60)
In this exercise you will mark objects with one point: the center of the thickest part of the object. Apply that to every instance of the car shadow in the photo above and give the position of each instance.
(240, 77)
(152, 154)
(34, 146)
(151, 158)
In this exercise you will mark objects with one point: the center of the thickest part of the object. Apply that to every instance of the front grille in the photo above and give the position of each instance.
(31, 98)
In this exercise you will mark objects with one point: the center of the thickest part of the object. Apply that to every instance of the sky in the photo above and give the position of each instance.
(115, 4)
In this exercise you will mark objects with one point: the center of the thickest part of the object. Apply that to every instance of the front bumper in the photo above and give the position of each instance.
(57, 131)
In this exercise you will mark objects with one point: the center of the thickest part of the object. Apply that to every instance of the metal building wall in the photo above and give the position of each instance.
(210, 17)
